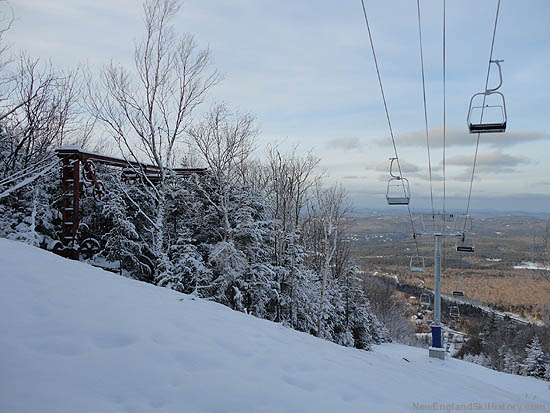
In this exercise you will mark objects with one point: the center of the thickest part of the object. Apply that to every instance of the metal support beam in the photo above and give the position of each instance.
(70, 183)
(437, 342)
(72, 157)
(439, 226)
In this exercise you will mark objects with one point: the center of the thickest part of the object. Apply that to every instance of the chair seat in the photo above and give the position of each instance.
(487, 127)
(398, 200)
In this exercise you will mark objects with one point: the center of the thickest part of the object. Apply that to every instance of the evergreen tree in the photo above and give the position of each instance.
(535, 360)
(188, 271)
(122, 241)
(510, 362)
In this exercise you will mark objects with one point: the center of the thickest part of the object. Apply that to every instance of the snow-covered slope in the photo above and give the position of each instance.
(78, 339)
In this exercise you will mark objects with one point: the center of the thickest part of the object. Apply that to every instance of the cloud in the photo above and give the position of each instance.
(426, 177)
(346, 144)
(494, 162)
(460, 137)
(494, 158)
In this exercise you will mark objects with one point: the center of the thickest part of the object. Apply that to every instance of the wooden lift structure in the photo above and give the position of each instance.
(78, 167)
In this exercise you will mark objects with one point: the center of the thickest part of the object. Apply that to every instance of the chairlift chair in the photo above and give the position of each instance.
(425, 300)
(458, 290)
(417, 263)
(464, 244)
(492, 118)
(454, 311)
(398, 191)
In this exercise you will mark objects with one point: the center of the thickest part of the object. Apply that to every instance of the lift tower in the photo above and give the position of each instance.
(439, 226)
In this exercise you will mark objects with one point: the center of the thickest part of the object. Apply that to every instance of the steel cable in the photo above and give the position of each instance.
(388, 119)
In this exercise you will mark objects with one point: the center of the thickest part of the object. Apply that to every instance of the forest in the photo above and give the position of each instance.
(263, 235)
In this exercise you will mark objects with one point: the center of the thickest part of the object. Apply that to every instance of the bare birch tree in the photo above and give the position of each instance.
(6, 21)
(288, 181)
(147, 111)
(224, 141)
(42, 111)
(326, 217)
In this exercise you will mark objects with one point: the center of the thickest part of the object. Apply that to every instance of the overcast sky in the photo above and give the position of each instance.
(305, 70)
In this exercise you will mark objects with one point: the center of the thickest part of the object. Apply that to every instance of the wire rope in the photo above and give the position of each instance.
(29, 180)
(388, 119)
(444, 126)
(425, 105)
(482, 110)
(444, 111)
(29, 170)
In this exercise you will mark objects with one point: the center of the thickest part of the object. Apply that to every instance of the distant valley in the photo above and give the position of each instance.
(502, 271)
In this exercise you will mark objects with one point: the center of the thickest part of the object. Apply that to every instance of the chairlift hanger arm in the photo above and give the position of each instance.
(497, 62)
(391, 169)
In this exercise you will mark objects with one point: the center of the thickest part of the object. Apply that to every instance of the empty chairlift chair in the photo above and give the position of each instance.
(417, 263)
(425, 300)
(487, 113)
(464, 244)
(398, 192)
(454, 311)
(458, 290)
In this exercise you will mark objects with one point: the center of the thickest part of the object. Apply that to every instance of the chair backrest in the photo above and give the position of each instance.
(398, 191)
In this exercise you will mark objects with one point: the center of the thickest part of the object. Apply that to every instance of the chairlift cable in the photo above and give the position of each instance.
(381, 89)
(444, 126)
(388, 118)
(30, 179)
(425, 106)
(28, 170)
(482, 109)
(444, 112)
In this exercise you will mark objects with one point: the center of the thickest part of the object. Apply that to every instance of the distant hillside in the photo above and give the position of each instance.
(477, 213)
(495, 273)
(508, 238)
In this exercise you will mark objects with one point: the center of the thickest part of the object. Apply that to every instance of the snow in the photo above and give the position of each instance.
(528, 265)
(79, 339)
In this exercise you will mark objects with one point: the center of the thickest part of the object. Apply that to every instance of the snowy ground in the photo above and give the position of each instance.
(528, 265)
(77, 339)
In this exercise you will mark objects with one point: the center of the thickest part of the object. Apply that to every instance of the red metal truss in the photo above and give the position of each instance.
(72, 157)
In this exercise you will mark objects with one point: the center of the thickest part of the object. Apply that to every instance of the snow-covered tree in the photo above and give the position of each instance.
(189, 273)
(147, 111)
(534, 363)
(480, 359)
(326, 216)
(360, 323)
(510, 362)
(224, 141)
(240, 234)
